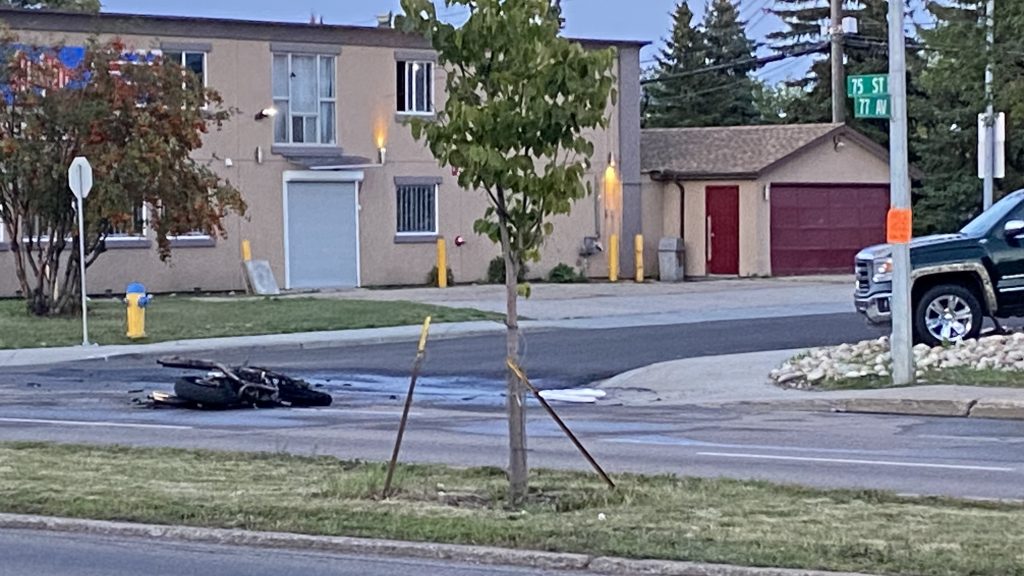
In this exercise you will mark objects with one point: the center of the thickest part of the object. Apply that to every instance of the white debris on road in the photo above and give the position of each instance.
(574, 395)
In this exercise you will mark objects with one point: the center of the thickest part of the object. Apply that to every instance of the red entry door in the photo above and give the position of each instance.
(723, 230)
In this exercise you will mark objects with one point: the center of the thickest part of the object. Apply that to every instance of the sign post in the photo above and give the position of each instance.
(80, 181)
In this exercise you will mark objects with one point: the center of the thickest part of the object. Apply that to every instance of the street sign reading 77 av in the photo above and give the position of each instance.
(871, 106)
(867, 85)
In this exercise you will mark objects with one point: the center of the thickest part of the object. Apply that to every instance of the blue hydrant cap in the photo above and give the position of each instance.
(135, 288)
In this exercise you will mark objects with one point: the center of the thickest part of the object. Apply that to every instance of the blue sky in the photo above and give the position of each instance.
(610, 19)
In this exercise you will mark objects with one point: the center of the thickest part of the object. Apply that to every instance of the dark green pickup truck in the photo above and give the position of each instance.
(957, 279)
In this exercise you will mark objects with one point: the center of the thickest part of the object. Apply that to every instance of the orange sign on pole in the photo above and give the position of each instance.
(899, 226)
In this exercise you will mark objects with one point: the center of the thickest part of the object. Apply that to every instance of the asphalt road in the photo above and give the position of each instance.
(30, 553)
(560, 357)
(459, 417)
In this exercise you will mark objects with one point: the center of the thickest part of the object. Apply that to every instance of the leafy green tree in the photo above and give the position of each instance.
(520, 99)
(70, 5)
(946, 134)
(674, 99)
(136, 123)
(730, 56)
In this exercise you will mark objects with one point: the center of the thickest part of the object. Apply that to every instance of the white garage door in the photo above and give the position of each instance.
(323, 235)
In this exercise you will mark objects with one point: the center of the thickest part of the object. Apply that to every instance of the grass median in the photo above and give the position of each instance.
(179, 318)
(720, 521)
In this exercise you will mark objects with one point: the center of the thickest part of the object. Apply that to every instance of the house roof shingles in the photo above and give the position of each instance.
(738, 151)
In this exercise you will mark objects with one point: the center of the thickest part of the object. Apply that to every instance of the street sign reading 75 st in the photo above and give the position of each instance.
(867, 85)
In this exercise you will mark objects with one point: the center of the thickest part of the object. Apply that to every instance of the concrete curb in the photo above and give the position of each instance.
(906, 406)
(998, 409)
(363, 546)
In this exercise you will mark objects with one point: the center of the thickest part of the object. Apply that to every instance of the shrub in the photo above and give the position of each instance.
(565, 274)
(496, 271)
(432, 277)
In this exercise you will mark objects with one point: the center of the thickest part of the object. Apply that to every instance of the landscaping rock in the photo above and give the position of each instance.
(872, 358)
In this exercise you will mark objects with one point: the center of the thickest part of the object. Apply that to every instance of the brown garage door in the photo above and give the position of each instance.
(819, 228)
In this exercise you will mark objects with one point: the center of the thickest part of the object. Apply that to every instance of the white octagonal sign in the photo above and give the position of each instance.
(80, 177)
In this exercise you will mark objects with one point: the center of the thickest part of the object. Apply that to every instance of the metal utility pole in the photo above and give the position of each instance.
(838, 69)
(989, 141)
(899, 175)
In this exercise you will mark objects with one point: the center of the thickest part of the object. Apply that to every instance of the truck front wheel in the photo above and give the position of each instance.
(947, 313)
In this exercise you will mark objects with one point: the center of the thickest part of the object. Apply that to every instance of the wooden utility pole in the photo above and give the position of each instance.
(838, 68)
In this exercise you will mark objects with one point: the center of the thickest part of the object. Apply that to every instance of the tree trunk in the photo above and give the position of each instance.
(515, 401)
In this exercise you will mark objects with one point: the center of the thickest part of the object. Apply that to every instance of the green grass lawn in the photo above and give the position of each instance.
(178, 317)
(952, 376)
(666, 517)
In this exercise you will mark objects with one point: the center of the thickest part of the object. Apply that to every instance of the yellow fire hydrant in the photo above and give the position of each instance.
(136, 300)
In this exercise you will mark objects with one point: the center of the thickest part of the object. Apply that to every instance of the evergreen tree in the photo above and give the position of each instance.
(729, 98)
(866, 53)
(670, 101)
(704, 72)
(945, 132)
(674, 100)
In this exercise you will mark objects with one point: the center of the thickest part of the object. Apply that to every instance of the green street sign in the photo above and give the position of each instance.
(871, 107)
(867, 85)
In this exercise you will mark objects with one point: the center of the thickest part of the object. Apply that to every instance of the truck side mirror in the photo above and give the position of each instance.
(1014, 230)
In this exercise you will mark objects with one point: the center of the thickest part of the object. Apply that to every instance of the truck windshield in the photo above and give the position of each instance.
(988, 219)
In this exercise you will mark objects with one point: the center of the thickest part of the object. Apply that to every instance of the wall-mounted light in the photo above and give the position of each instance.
(382, 153)
(611, 159)
(266, 113)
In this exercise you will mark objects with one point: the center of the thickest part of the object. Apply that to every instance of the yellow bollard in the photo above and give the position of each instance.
(136, 299)
(442, 263)
(246, 251)
(613, 258)
(638, 247)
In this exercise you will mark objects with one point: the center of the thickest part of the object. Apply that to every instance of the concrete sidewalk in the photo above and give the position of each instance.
(742, 379)
(301, 340)
(625, 304)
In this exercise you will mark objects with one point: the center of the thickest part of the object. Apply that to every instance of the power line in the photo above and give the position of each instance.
(755, 62)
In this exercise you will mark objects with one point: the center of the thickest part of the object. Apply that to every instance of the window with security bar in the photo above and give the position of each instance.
(417, 209)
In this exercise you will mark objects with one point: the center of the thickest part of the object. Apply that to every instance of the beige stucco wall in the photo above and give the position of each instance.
(849, 163)
(241, 71)
(695, 232)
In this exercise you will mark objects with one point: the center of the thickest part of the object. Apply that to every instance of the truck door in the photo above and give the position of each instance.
(1006, 252)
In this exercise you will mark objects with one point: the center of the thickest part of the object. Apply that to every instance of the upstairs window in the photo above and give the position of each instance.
(193, 61)
(415, 83)
(305, 98)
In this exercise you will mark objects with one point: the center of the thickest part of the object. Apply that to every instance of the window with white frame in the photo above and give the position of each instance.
(189, 60)
(415, 87)
(305, 96)
(128, 225)
(417, 209)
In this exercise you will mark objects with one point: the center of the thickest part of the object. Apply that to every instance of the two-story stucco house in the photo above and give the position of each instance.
(339, 193)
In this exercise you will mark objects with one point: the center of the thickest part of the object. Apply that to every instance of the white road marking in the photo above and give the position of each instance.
(992, 439)
(360, 412)
(864, 462)
(95, 424)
